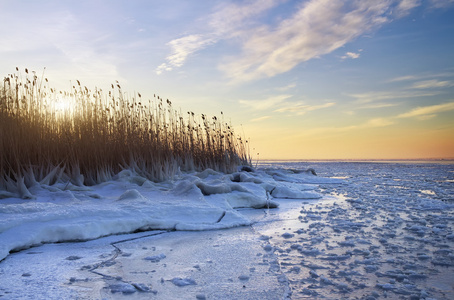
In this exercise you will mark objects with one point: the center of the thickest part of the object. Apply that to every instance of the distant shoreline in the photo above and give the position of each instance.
(406, 161)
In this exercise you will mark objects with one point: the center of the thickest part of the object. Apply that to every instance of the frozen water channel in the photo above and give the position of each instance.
(381, 230)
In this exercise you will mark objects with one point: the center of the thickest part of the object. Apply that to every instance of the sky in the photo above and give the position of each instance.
(308, 79)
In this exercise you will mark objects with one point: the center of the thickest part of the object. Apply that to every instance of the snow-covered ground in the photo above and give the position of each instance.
(355, 231)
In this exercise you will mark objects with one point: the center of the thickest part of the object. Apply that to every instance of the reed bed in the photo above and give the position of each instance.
(87, 136)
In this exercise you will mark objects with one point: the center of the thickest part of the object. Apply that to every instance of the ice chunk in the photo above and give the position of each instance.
(287, 235)
(325, 280)
(131, 195)
(386, 286)
(291, 193)
(187, 188)
(155, 258)
(183, 281)
(122, 287)
(313, 274)
(268, 247)
(141, 287)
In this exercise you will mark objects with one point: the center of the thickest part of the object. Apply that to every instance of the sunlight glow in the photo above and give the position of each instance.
(62, 104)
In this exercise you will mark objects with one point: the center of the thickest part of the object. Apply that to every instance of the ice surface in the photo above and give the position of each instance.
(197, 201)
(385, 230)
(385, 234)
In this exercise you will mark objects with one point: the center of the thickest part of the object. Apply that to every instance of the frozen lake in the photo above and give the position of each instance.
(381, 229)
(387, 231)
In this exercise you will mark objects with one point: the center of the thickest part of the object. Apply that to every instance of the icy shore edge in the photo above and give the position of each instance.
(194, 201)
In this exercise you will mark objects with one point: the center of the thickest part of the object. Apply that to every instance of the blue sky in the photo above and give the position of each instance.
(302, 79)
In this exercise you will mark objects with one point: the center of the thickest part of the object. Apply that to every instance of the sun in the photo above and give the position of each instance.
(62, 104)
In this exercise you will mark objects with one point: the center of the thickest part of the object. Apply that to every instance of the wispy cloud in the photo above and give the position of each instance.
(441, 3)
(427, 112)
(422, 77)
(390, 95)
(405, 6)
(372, 123)
(378, 122)
(351, 55)
(318, 27)
(281, 104)
(378, 105)
(181, 49)
(434, 83)
(420, 113)
(260, 119)
(264, 104)
(301, 109)
(287, 87)
(403, 78)
(224, 23)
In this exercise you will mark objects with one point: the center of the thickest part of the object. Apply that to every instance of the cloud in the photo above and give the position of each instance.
(377, 105)
(427, 112)
(301, 109)
(424, 76)
(421, 113)
(260, 119)
(280, 104)
(428, 84)
(403, 78)
(264, 103)
(403, 7)
(372, 123)
(378, 122)
(229, 17)
(317, 27)
(441, 3)
(391, 95)
(181, 49)
(222, 24)
(351, 55)
(287, 87)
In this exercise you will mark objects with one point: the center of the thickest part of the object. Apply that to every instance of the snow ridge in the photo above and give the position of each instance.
(195, 201)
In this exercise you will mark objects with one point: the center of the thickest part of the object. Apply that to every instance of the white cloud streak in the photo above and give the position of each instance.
(422, 77)
(378, 105)
(181, 49)
(426, 112)
(280, 104)
(372, 123)
(429, 84)
(301, 109)
(351, 55)
(260, 119)
(441, 3)
(391, 95)
(405, 6)
(264, 103)
(378, 122)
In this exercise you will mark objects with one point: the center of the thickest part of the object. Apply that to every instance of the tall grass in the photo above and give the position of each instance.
(87, 136)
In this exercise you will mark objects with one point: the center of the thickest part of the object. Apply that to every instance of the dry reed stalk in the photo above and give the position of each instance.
(87, 137)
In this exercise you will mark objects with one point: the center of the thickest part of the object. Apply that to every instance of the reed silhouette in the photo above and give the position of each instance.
(87, 136)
